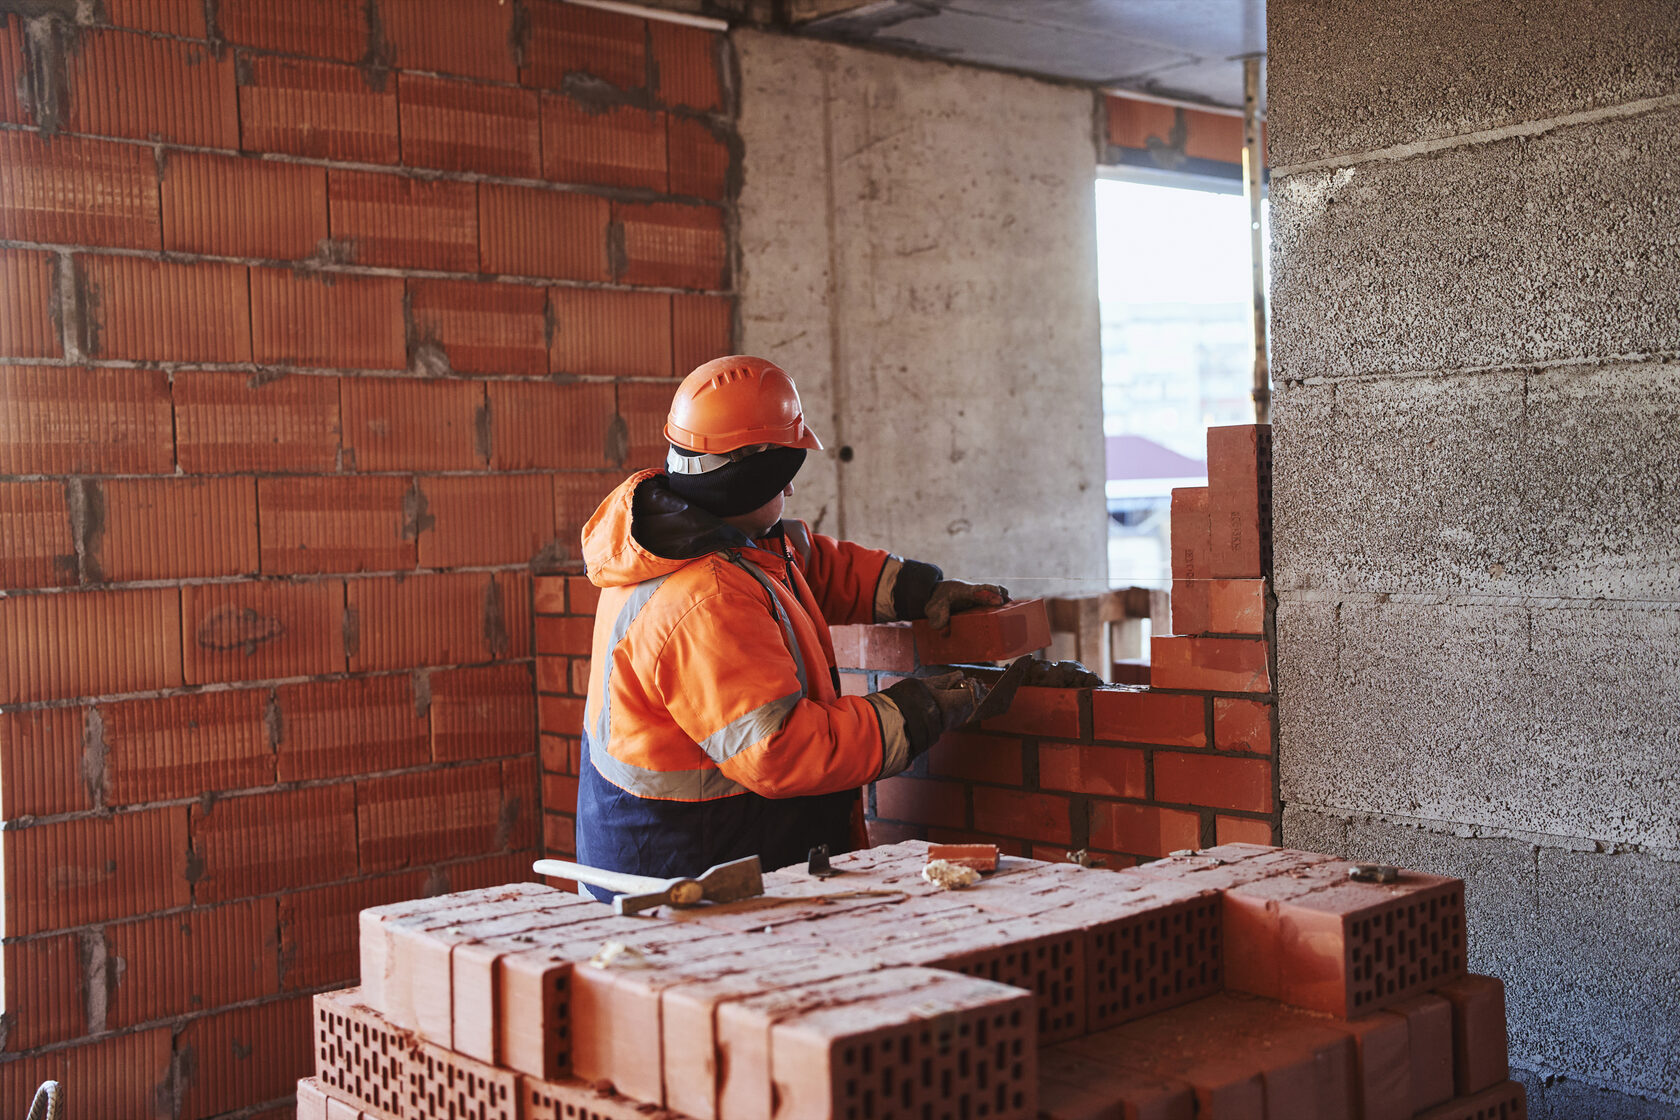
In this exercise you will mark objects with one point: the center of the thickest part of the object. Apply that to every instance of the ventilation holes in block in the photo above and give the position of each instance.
(1052, 968)
(1153, 961)
(968, 1066)
(1404, 948)
(359, 1056)
(445, 1084)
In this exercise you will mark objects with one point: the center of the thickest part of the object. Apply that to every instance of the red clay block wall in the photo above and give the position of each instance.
(323, 327)
(1128, 774)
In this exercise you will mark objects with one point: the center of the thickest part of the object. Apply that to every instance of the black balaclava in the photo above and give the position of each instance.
(740, 486)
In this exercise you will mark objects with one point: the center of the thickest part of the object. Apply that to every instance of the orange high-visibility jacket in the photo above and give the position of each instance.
(712, 687)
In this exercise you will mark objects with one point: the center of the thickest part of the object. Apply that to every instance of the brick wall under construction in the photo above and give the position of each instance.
(322, 326)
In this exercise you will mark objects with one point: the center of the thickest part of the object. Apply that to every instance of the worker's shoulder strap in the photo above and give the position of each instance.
(798, 536)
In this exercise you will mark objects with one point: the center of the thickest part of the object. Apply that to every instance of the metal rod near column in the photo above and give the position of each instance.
(1253, 185)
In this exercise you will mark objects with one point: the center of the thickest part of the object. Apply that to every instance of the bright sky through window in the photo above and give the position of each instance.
(1166, 245)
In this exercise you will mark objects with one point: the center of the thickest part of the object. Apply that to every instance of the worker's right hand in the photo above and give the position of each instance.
(957, 696)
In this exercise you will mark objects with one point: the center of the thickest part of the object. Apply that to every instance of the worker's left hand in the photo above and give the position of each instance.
(953, 596)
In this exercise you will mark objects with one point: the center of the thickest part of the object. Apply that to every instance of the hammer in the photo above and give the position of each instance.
(727, 882)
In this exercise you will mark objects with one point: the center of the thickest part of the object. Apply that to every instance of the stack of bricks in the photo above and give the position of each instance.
(322, 326)
(1124, 773)
(1237, 983)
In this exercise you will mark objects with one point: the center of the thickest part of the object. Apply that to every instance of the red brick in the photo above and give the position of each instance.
(318, 944)
(554, 674)
(567, 39)
(1105, 771)
(1479, 1043)
(242, 207)
(236, 421)
(453, 36)
(687, 61)
(193, 961)
(1148, 717)
(486, 519)
(1030, 816)
(481, 327)
(922, 802)
(890, 646)
(1190, 606)
(1242, 725)
(559, 835)
(465, 126)
(322, 28)
(28, 284)
(1237, 606)
(261, 630)
(529, 231)
(403, 222)
(335, 729)
(1241, 830)
(989, 634)
(78, 192)
(1040, 711)
(580, 676)
(574, 635)
(182, 18)
(560, 715)
(68, 420)
(246, 1055)
(327, 319)
(611, 146)
(144, 88)
(1429, 1030)
(1192, 549)
(343, 523)
(446, 619)
(576, 498)
(600, 332)
(167, 312)
(89, 643)
(13, 106)
(119, 1075)
(75, 872)
(1216, 781)
(548, 594)
(177, 528)
(1508, 1098)
(1316, 940)
(271, 842)
(1131, 670)
(483, 713)
(1215, 664)
(582, 596)
(177, 747)
(36, 548)
(671, 245)
(402, 423)
(41, 754)
(560, 793)
(699, 159)
(521, 805)
(702, 328)
(541, 424)
(45, 1003)
(977, 758)
(644, 407)
(430, 816)
(316, 109)
(1143, 830)
(1211, 135)
(1239, 499)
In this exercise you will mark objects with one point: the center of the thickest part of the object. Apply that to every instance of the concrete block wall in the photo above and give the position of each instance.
(1475, 338)
(322, 327)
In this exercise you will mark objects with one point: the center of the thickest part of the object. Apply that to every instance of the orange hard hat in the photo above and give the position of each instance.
(735, 402)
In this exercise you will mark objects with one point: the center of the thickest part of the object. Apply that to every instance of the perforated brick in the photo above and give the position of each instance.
(1318, 940)
(1044, 958)
(444, 1084)
(576, 1100)
(1506, 1101)
(943, 1048)
(358, 1056)
(1154, 960)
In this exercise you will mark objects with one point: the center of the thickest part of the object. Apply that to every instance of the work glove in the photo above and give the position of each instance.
(953, 596)
(931, 706)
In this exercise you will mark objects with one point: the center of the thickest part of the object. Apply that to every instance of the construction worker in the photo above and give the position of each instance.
(714, 727)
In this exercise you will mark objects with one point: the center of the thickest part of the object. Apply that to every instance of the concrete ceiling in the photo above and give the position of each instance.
(1189, 50)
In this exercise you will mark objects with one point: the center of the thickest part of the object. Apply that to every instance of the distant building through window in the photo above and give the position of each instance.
(1177, 352)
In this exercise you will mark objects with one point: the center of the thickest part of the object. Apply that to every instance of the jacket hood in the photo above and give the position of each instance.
(644, 530)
